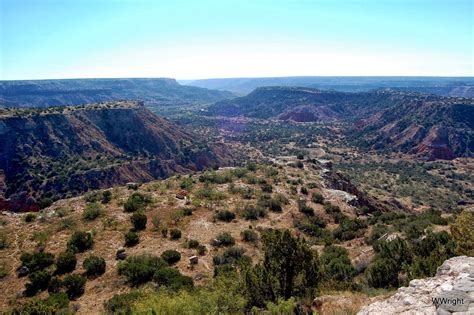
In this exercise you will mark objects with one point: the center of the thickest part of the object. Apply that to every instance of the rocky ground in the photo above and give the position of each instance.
(451, 291)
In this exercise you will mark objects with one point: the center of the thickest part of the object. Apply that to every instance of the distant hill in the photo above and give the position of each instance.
(58, 152)
(161, 91)
(445, 86)
(428, 125)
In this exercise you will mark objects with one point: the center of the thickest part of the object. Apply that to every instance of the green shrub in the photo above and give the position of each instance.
(54, 304)
(266, 188)
(37, 261)
(331, 209)
(193, 243)
(122, 303)
(349, 229)
(45, 202)
(172, 279)
(463, 233)
(29, 217)
(201, 250)
(94, 266)
(223, 239)
(314, 226)
(3, 240)
(336, 264)
(65, 262)
(75, 285)
(171, 256)
(139, 221)
(106, 197)
(396, 250)
(136, 202)
(378, 231)
(304, 190)
(230, 256)
(383, 273)
(175, 234)
(54, 285)
(317, 198)
(304, 208)
(39, 281)
(80, 241)
(186, 183)
(430, 253)
(140, 269)
(252, 212)
(225, 215)
(187, 211)
(67, 224)
(131, 238)
(58, 300)
(92, 211)
(249, 236)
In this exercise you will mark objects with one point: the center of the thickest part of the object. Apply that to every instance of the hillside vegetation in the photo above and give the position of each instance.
(264, 236)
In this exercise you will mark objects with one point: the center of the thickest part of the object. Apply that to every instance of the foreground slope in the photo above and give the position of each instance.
(222, 223)
(54, 153)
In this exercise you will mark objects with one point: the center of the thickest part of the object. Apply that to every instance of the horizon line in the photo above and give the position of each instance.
(250, 77)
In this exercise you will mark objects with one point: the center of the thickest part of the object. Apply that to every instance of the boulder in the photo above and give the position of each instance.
(193, 260)
(450, 291)
(23, 271)
(120, 254)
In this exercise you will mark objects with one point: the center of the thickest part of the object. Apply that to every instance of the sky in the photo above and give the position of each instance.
(196, 39)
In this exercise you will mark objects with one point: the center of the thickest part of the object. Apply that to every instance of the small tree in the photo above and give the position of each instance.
(289, 268)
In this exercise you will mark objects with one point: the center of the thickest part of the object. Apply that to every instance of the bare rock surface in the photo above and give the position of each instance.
(451, 291)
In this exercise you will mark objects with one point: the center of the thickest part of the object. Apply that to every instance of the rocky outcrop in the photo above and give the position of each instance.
(337, 181)
(436, 145)
(451, 291)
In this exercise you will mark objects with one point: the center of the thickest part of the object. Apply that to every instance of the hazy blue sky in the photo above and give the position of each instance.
(207, 38)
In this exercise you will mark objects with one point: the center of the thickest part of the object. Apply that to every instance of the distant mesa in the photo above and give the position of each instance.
(159, 91)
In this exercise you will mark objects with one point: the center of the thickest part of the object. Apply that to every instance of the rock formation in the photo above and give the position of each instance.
(451, 291)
